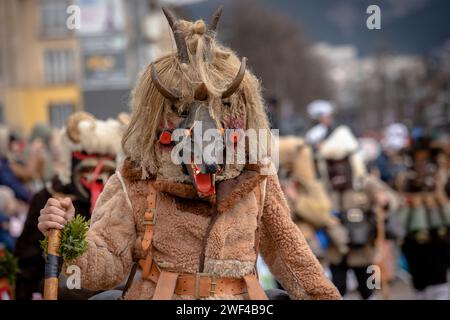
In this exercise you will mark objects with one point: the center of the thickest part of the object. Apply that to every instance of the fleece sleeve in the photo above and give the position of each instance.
(284, 249)
(110, 240)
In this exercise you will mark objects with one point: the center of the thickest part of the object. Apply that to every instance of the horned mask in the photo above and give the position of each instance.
(199, 97)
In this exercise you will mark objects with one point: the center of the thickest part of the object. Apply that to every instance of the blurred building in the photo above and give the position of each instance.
(374, 91)
(39, 64)
(117, 40)
(47, 70)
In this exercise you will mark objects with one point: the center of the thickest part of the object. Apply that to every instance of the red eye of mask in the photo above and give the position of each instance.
(165, 137)
(234, 137)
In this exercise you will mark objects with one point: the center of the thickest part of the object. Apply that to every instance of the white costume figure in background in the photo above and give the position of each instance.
(322, 112)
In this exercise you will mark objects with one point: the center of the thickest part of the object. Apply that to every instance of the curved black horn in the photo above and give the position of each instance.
(170, 17)
(234, 85)
(167, 93)
(180, 42)
(215, 18)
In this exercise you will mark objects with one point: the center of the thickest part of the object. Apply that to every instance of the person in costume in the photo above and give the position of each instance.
(194, 228)
(426, 217)
(322, 113)
(89, 150)
(309, 203)
(358, 200)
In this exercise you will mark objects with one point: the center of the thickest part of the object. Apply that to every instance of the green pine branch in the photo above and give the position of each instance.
(73, 239)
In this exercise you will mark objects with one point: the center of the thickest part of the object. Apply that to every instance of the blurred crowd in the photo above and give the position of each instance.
(374, 207)
(73, 162)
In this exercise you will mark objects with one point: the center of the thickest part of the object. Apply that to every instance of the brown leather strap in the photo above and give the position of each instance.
(165, 287)
(149, 222)
(149, 218)
(146, 266)
(203, 286)
(153, 271)
(197, 285)
(255, 291)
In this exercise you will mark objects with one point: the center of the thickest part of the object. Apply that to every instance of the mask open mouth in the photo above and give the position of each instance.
(204, 183)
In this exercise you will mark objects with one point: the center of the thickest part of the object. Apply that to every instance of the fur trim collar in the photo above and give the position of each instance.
(131, 171)
(229, 192)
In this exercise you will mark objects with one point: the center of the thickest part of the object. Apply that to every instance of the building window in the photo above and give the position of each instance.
(59, 67)
(59, 112)
(53, 17)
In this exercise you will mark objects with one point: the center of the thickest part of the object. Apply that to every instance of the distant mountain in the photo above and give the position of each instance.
(408, 26)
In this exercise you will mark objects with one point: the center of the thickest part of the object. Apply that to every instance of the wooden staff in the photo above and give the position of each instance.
(52, 265)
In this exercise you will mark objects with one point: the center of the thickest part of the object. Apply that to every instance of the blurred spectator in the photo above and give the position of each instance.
(7, 176)
(8, 208)
(389, 162)
(33, 165)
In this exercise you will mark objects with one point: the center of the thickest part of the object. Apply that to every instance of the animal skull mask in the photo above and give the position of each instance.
(201, 89)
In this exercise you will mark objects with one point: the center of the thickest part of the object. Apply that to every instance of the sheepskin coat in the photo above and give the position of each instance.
(181, 223)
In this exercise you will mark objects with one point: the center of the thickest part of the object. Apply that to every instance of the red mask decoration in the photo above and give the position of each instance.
(94, 186)
(93, 183)
(165, 137)
(234, 137)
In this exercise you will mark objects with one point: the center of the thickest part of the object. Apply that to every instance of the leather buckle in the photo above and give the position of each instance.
(212, 289)
(152, 220)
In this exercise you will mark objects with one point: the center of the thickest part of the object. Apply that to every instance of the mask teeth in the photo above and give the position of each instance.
(195, 168)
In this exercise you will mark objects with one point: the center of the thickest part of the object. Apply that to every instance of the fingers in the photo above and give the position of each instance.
(53, 202)
(52, 210)
(53, 217)
(67, 204)
(46, 225)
